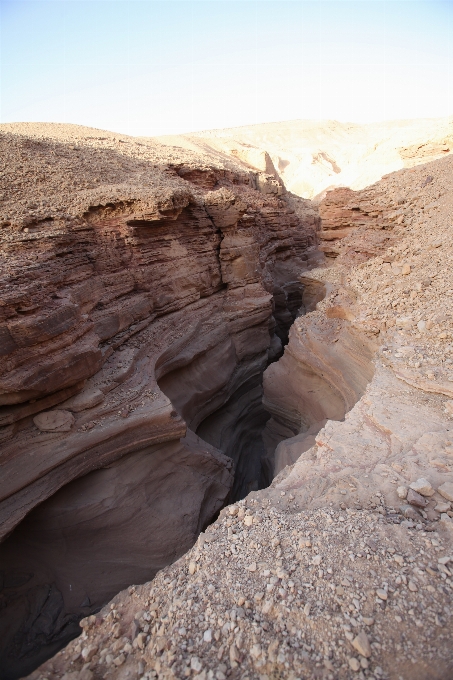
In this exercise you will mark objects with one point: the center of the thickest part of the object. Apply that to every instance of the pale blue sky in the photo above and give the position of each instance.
(149, 67)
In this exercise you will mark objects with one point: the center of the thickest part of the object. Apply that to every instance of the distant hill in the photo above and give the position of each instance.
(312, 156)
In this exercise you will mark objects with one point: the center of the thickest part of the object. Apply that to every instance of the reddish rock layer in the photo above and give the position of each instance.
(124, 321)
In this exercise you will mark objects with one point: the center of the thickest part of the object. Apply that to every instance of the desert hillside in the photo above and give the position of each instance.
(226, 410)
(312, 156)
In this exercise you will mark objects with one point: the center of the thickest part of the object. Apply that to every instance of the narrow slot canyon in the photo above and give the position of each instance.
(77, 549)
(184, 369)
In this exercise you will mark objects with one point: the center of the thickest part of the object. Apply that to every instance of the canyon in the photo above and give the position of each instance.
(203, 375)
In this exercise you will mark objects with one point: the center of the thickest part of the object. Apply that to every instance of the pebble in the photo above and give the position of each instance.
(422, 486)
(415, 498)
(401, 492)
(446, 490)
(442, 507)
(362, 644)
(381, 593)
(354, 663)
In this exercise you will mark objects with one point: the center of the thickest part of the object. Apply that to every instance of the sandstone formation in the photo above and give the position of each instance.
(225, 328)
(314, 156)
(133, 315)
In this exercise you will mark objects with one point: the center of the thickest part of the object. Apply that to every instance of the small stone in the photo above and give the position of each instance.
(422, 486)
(251, 567)
(442, 507)
(446, 521)
(401, 492)
(207, 635)
(362, 644)
(84, 400)
(364, 663)
(248, 520)
(441, 560)
(406, 269)
(368, 621)
(192, 568)
(255, 651)
(89, 652)
(317, 560)
(354, 663)
(195, 664)
(120, 659)
(233, 510)
(381, 593)
(415, 498)
(399, 559)
(446, 490)
(412, 587)
(234, 655)
(54, 421)
(307, 609)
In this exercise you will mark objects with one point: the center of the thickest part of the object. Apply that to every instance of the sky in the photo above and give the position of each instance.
(154, 67)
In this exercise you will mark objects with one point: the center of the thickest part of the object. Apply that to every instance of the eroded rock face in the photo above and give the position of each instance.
(342, 561)
(128, 324)
(325, 370)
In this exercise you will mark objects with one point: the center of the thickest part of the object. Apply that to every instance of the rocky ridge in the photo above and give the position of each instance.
(314, 156)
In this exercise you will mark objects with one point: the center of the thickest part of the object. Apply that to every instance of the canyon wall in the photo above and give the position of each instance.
(136, 322)
(145, 295)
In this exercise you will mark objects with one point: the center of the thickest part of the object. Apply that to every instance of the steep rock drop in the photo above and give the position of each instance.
(134, 343)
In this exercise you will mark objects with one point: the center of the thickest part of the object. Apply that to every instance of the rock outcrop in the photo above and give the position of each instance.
(342, 566)
(131, 318)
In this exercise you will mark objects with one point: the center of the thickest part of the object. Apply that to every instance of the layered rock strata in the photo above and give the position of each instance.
(132, 316)
(343, 566)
